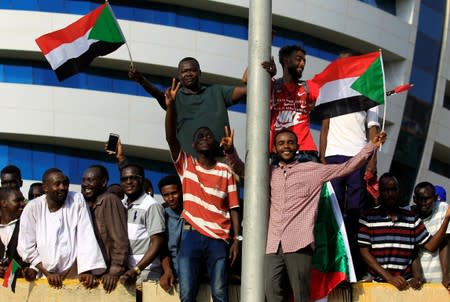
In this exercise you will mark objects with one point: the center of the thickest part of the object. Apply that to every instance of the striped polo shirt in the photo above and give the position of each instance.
(145, 218)
(208, 196)
(430, 262)
(394, 244)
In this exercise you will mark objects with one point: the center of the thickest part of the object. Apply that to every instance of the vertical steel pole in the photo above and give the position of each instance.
(256, 194)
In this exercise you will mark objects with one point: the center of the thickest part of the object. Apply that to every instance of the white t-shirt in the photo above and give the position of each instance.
(347, 133)
(431, 265)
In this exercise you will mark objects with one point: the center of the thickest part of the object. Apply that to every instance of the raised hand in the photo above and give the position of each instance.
(171, 93)
(134, 74)
(270, 67)
(227, 141)
(379, 139)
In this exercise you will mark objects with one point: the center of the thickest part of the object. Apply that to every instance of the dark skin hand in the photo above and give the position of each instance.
(167, 280)
(270, 67)
(29, 274)
(88, 280)
(109, 282)
(129, 278)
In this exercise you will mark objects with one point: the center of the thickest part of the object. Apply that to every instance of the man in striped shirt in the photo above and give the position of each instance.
(432, 212)
(389, 237)
(210, 210)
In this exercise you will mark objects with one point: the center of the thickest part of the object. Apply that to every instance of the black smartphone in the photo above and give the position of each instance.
(112, 142)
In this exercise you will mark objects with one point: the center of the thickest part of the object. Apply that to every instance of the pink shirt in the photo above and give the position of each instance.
(295, 193)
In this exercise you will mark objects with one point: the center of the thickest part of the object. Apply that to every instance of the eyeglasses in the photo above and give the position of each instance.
(131, 177)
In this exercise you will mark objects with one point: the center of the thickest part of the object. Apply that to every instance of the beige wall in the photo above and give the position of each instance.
(74, 292)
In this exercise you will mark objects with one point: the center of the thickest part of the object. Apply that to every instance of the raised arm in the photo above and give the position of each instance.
(433, 244)
(170, 123)
(323, 139)
(238, 93)
(334, 171)
(148, 86)
(231, 157)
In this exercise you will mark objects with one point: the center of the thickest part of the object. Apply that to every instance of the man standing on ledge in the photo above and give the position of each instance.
(294, 198)
(196, 105)
(210, 203)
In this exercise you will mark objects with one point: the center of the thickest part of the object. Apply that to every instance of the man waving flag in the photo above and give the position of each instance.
(70, 50)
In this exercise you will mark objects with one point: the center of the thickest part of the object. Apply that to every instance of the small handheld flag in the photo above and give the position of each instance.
(399, 89)
(70, 50)
(11, 275)
(350, 84)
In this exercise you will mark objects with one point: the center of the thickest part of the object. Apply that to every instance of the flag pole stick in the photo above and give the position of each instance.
(126, 42)
(384, 92)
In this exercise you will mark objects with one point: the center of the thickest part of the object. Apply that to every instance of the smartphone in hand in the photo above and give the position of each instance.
(111, 146)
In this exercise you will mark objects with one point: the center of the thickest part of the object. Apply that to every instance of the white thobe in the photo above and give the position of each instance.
(59, 238)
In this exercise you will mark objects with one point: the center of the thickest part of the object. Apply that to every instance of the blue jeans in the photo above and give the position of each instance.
(195, 247)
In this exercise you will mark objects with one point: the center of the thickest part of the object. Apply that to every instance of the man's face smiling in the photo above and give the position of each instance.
(285, 146)
(204, 140)
(92, 184)
(296, 63)
(56, 187)
(189, 74)
(131, 182)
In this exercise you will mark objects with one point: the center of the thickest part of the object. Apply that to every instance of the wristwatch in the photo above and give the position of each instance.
(238, 238)
(137, 270)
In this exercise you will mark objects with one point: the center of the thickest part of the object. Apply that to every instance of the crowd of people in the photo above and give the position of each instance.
(112, 233)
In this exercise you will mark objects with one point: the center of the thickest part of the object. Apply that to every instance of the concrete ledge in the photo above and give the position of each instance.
(72, 291)
(384, 292)
(153, 292)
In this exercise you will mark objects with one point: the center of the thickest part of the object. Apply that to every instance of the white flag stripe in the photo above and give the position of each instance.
(340, 222)
(67, 51)
(336, 90)
(204, 204)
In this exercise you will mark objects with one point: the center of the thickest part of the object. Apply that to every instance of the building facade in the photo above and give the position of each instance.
(46, 123)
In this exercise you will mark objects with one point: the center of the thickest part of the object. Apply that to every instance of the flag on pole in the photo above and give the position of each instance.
(10, 278)
(350, 84)
(332, 261)
(70, 50)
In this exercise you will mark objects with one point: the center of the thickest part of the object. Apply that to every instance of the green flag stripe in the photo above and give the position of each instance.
(330, 254)
(106, 28)
(371, 82)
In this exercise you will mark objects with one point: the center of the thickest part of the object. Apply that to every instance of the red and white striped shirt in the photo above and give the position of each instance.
(208, 196)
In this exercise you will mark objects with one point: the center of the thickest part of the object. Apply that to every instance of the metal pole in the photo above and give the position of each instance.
(256, 194)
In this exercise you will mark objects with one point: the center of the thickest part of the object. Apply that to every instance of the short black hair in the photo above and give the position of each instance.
(201, 128)
(12, 169)
(169, 180)
(386, 176)
(51, 171)
(185, 59)
(284, 130)
(425, 184)
(287, 50)
(103, 171)
(139, 168)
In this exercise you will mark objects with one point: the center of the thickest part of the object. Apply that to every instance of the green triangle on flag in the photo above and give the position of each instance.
(371, 82)
(106, 28)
